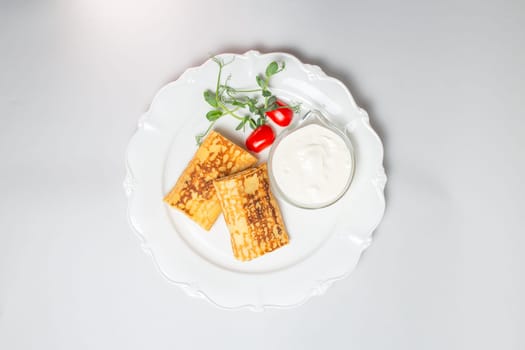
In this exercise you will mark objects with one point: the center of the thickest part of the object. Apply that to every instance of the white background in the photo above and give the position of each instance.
(443, 83)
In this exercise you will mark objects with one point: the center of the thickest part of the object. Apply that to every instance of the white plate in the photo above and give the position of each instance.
(325, 244)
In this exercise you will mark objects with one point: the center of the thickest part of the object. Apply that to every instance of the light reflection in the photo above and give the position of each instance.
(105, 14)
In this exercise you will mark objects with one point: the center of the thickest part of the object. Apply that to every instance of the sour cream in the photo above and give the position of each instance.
(312, 166)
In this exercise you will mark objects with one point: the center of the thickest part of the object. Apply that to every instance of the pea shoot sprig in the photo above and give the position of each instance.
(248, 106)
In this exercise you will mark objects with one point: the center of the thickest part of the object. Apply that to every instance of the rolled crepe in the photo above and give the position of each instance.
(251, 213)
(194, 193)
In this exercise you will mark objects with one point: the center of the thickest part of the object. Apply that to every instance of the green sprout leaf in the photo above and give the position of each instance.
(272, 69)
(209, 96)
(238, 103)
(242, 124)
(272, 103)
(260, 81)
(213, 115)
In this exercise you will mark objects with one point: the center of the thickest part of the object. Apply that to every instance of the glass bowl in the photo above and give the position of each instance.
(317, 118)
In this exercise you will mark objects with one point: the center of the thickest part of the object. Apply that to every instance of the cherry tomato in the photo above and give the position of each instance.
(260, 138)
(281, 116)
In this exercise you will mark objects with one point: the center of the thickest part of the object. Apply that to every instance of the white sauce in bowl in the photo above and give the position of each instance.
(312, 166)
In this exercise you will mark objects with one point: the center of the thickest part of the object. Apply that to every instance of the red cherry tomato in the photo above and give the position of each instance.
(281, 116)
(260, 138)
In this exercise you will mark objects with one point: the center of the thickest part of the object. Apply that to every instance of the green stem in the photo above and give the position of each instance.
(266, 83)
(202, 136)
(218, 82)
(254, 90)
(230, 112)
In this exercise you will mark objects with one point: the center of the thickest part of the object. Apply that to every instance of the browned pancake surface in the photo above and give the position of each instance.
(251, 212)
(194, 193)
